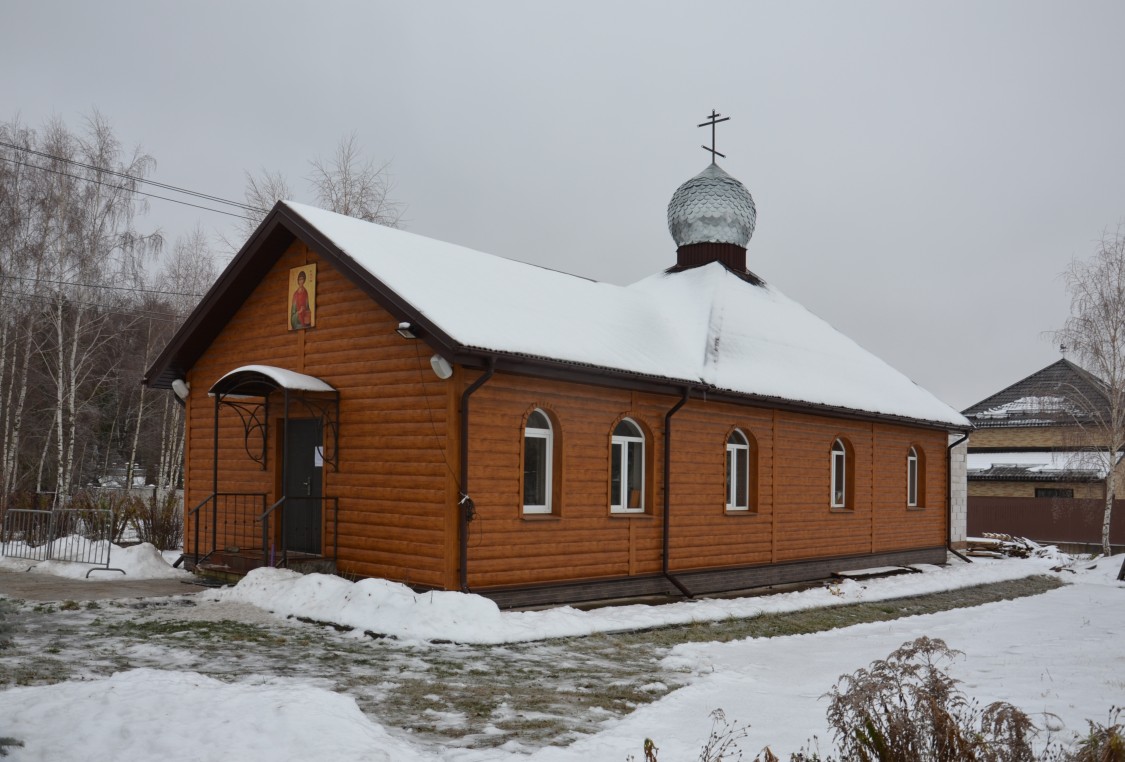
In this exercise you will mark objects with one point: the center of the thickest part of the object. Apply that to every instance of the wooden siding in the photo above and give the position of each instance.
(790, 518)
(397, 481)
(581, 539)
(395, 453)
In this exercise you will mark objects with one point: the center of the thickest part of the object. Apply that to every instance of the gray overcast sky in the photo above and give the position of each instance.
(923, 172)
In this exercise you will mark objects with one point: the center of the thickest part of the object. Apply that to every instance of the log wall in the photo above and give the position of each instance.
(790, 518)
(395, 456)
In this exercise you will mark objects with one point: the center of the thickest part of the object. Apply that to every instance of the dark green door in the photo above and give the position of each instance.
(304, 466)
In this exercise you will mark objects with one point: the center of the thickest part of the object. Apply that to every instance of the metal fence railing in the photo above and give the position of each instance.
(238, 524)
(76, 535)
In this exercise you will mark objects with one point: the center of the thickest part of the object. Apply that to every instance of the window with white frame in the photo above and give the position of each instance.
(627, 468)
(912, 478)
(738, 472)
(538, 457)
(839, 475)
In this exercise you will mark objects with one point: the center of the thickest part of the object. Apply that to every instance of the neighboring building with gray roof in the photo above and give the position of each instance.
(1031, 439)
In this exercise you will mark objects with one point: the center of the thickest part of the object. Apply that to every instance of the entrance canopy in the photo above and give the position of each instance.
(247, 391)
(261, 380)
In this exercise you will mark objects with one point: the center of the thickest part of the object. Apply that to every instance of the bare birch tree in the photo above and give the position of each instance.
(349, 184)
(69, 255)
(346, 183)
(1094, 335)
(23, 243)
(185, 278)
(262, 191)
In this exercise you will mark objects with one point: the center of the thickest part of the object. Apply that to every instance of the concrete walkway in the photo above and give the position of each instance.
(29, 586)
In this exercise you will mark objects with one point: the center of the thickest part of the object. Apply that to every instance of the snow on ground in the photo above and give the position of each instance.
(147, 714)
(1060, 652)
(142, 561)
(388, 608)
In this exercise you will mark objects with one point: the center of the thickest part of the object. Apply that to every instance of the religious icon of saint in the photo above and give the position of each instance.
(302, 300)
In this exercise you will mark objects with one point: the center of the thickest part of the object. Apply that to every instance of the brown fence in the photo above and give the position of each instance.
(1056, 520)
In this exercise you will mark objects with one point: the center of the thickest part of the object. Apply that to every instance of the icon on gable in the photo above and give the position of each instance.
(302, 297)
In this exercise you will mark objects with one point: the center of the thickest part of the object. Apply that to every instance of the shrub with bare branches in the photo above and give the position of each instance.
(161, 522)
(905, 708)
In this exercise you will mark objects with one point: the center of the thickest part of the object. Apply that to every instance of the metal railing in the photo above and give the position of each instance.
(229, 526)
(75, 535)
(239, 523)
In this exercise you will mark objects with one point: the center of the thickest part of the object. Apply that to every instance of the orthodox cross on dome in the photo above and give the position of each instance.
(713, 120)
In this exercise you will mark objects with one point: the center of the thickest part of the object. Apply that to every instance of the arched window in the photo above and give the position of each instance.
(912, 478)
(538, 463)
(839, 474)
(915, 478)
(738, 472)
(627, 468)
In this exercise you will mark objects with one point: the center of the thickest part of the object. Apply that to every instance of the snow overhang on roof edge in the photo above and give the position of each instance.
(283, 378)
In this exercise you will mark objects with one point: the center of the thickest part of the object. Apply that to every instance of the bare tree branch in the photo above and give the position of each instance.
(351, 185)
(1094, 335)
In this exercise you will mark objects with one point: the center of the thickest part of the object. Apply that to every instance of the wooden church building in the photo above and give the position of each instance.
(372, 401)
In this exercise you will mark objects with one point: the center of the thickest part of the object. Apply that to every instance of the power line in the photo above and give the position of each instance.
(96, 285)
(135, 178)
(165, 317)
(131, 190)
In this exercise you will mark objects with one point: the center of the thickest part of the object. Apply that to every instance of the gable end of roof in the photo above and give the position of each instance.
(262, 250)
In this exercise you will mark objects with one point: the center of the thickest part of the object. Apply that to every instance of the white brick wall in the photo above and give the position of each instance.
(958, 491)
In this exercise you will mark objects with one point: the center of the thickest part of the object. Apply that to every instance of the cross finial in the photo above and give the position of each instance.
(713, 120)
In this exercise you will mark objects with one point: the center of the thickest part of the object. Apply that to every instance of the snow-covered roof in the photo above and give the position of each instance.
(1042, 463)
(1032, 409)
(704, 326)
(285, 379)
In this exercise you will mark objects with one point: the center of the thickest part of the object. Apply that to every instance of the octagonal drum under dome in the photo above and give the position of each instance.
(712, 207)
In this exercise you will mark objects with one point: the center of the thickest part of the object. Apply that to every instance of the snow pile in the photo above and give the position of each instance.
(373, 605)
(149, 714)
(142, 561)
(388, 608)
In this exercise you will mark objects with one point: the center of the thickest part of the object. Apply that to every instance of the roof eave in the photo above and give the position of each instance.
(216, 307)
(561, 370)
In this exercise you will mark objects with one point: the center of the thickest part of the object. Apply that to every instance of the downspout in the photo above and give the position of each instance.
(667, 492)
(949, 499)
(465, 504)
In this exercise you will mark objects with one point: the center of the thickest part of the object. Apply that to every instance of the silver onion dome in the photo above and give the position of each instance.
(712, 207)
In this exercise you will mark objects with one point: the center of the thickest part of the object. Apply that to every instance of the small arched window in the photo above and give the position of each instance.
(738, 472)
(538, 462)
(627, 468)
(912, 478)
(839, 474)
(915, 478)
